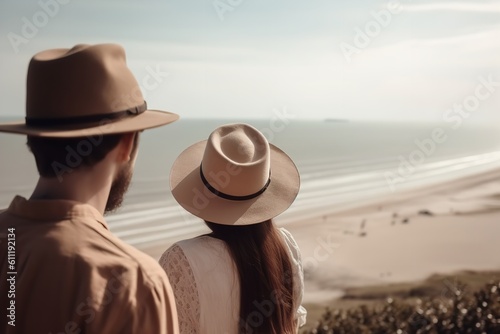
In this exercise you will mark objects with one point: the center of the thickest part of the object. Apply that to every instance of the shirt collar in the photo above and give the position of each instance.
(53, 210)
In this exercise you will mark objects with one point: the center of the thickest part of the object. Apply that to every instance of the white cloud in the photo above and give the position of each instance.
(464, 49)
(454, 6)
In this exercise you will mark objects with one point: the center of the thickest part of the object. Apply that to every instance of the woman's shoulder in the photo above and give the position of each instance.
(291, 243)
(182, 251)
(198, 242)
(177, 248)
(201, 246)
(289, 239)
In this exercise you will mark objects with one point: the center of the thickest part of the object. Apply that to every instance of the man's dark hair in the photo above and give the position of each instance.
(56, 156)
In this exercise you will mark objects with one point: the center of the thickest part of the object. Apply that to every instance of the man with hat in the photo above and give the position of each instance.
(62, 270)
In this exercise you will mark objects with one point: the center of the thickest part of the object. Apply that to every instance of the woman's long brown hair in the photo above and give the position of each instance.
(265, 273)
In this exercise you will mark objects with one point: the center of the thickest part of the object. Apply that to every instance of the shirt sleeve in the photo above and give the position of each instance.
(133, 302)
(181, 277)
(298, 276)
(157, 310)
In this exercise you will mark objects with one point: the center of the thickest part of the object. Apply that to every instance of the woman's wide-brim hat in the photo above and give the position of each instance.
(83, 91)
(235, 177)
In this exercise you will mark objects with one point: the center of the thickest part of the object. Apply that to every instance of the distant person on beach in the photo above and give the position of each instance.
(246, 276)
(62, 270)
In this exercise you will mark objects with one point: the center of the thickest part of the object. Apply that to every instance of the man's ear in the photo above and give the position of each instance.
(126, 147)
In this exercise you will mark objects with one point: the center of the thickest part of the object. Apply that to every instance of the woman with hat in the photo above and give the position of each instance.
(246, 275)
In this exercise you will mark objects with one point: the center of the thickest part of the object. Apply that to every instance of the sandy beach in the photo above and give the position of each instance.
(444, 229)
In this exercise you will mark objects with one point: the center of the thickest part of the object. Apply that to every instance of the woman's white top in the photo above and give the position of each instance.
(206, 285)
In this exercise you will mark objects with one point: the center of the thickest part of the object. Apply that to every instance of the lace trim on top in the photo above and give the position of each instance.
(182, 280)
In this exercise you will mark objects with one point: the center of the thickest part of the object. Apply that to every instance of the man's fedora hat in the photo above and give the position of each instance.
(235, 177)
(82, 91)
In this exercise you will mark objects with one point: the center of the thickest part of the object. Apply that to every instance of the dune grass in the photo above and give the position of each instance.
(466, 302)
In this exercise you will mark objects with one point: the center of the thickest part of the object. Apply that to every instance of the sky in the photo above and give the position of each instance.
(399, 60)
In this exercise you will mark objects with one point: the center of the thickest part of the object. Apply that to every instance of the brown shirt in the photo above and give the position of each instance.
(62, 271)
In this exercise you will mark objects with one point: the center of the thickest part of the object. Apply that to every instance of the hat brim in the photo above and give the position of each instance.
(190, 192)
(146, 120)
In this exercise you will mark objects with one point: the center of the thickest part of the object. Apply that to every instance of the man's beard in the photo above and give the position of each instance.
(118, 188)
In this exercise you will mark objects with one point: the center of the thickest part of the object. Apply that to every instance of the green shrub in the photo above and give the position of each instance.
(458, 312)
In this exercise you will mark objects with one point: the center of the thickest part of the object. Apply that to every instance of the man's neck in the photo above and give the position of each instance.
(80, 187)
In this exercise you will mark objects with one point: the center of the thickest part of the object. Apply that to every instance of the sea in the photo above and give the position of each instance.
(343, 164)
